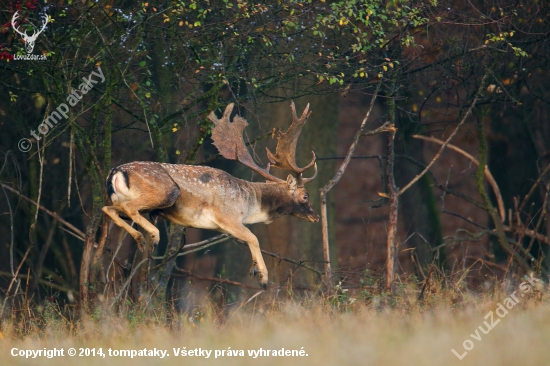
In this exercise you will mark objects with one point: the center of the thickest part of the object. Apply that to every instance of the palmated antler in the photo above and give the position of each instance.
(228, 139)
(285, 153)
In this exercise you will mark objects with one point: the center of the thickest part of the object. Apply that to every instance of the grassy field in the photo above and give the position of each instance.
(336, 331)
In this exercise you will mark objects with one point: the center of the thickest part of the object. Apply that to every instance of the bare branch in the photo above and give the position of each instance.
(488, 174)
(331, 183)
(213, 279)
(14, 279)
(453, 134)
(52, 214)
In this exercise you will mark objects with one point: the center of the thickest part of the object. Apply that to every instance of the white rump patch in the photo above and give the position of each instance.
(122, 193)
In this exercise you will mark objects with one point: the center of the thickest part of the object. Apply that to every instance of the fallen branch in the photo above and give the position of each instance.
(531, 233)
(195, 247)
(235, 283)
(43, 282)
(486, 263)
(293, 261)
(212, 279)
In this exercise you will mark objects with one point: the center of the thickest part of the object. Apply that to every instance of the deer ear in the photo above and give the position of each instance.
(291, 183)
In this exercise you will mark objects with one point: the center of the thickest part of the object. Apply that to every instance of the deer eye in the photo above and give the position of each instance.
(305, 197)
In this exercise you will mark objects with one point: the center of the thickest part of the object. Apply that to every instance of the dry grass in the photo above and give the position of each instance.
(377, 330)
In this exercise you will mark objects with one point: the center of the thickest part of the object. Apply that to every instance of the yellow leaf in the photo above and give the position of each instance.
(178, 152)
(385, 68)
(382, 194)
(181, 23)
(147, 95)
(391, 65)
(166, 20)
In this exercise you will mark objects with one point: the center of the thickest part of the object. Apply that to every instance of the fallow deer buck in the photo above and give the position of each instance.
(207, 198)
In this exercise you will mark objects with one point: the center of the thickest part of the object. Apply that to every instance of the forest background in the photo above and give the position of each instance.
(462, 85)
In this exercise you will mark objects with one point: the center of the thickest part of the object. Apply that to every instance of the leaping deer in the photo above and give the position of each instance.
(207, 198)
(29, 40)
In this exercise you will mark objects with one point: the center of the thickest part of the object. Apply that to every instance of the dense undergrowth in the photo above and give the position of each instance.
(415, 325)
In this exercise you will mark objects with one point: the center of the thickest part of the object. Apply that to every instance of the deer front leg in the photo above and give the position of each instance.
(258, 266)
(239, 231)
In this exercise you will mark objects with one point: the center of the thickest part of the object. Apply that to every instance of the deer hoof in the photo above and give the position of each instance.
(142, 244)
(263, 281)
(154, 243)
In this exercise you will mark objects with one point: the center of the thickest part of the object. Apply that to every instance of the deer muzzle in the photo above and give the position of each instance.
(312, 216)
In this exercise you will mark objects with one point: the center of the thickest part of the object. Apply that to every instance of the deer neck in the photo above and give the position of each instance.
(274, 200)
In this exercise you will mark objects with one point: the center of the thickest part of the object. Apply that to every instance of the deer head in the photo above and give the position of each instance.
(228, 139)
(29, 40)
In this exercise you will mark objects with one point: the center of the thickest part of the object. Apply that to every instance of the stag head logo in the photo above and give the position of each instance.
(29, 39)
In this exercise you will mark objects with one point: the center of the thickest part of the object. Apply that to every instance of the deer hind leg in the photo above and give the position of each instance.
(151, 190)
(113, 213)
(131, 209)
(239, 231)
